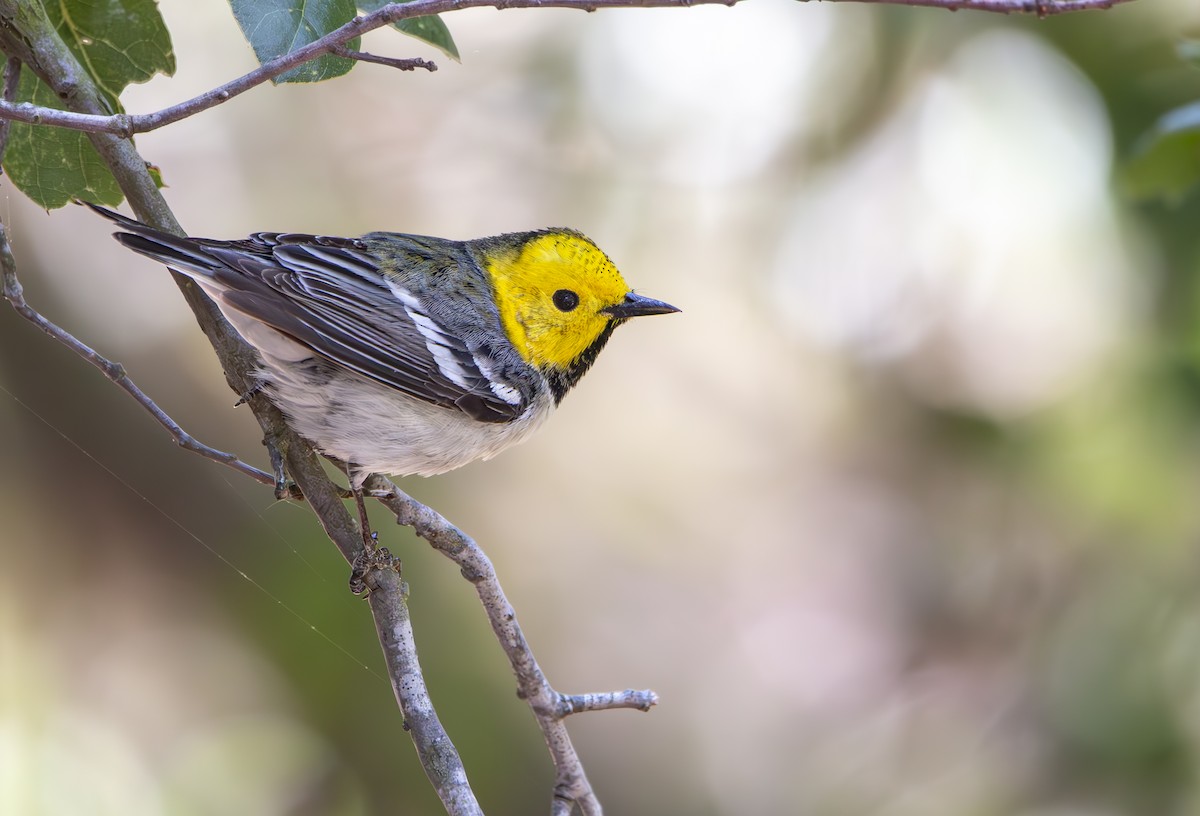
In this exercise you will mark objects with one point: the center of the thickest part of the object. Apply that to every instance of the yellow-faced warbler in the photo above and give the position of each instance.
(406, 354)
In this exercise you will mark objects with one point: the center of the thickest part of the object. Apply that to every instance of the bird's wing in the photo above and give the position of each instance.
(329, 295)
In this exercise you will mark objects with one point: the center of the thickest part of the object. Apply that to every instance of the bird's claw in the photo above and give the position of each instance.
(250, 393)
(282, 489)
(377, 559)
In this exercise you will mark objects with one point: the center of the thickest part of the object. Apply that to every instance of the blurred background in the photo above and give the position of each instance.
(901, 515)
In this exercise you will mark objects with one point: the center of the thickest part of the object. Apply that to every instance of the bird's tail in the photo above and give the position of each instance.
(182, 254)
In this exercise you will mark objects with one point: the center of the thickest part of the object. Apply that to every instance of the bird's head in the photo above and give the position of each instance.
(559, 298)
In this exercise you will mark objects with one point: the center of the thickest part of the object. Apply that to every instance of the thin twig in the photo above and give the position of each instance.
(14, 294)
(549, 706)
(1041, 8)
(642, 700)
(392, 62)
(124, 124)
(12, 78)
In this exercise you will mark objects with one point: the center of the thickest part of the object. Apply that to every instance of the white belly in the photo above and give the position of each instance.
(380, 430)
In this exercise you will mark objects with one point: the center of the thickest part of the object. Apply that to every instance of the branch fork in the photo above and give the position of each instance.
(549, 707)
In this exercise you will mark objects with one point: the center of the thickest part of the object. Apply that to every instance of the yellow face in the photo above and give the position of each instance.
(550, 293)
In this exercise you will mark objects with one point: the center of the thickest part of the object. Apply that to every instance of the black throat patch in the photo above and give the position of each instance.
(562, 381)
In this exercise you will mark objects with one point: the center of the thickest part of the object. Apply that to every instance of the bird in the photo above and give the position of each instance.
(409, 354)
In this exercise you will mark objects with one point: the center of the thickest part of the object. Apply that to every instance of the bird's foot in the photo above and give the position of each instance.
(374, 559)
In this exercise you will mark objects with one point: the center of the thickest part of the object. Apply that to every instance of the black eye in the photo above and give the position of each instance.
(566, 300)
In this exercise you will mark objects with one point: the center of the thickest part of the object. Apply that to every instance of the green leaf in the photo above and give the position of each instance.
(429, 29)
(278, 27)
(55, 165)
(432, 30)
(1166, 164)
(118, 42)
(156, 174)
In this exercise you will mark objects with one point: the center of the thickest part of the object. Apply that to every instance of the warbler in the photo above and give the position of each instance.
(408, 354)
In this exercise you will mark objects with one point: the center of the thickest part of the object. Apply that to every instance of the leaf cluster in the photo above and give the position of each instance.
(119, 42)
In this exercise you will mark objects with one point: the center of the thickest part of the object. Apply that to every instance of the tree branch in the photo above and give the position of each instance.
(26, 35)
(549, 707)
(12, 77)
(437, 754)
(126, 125)
(391, 62)
(14, 294)
(569, 704)
(1042, 8)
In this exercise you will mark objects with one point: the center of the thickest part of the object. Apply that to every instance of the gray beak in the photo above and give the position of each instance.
(635, 305)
